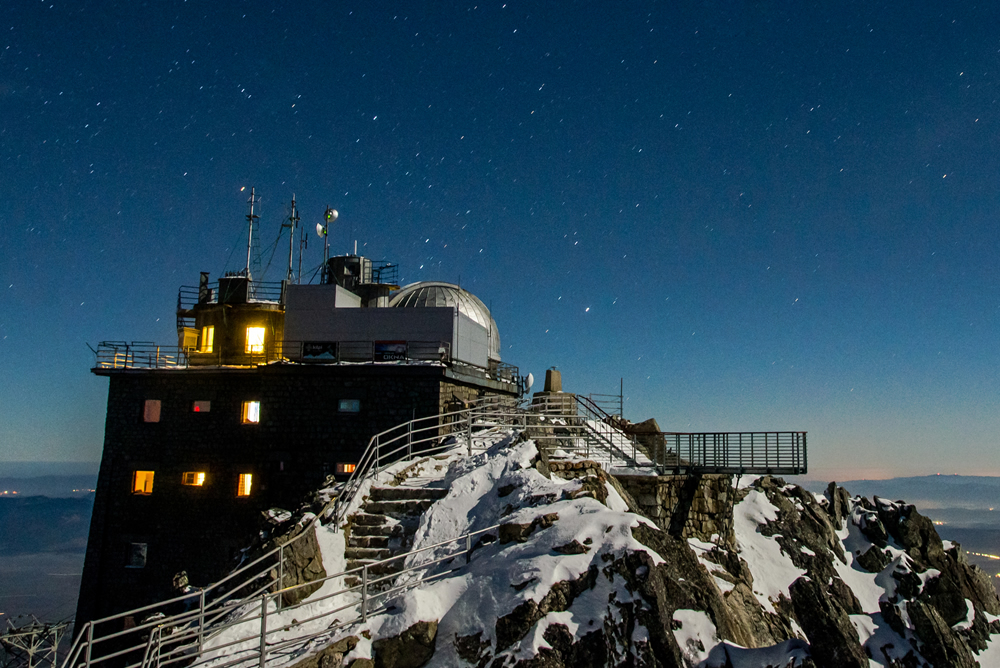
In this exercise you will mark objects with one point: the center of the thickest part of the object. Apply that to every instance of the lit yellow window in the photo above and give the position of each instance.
(193, 478)
(255, 339)
(346, 468)
(246, 482)
(251, 412)
(142, 482)
(207, 339)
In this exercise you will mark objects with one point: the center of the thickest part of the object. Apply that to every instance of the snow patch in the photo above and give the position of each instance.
(773, 571)
(695, 634)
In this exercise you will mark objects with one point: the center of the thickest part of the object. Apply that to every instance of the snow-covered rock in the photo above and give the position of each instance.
(569, 573)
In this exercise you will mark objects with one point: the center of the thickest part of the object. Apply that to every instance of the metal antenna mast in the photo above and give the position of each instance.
(251, 220)
(293, 221)
(303, 244)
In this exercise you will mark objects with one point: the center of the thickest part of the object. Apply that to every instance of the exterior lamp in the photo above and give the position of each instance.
(323, 230)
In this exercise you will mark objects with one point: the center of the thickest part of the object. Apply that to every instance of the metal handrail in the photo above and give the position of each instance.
(386, 448)
(373, 594)
(224, 602)
(705, 452)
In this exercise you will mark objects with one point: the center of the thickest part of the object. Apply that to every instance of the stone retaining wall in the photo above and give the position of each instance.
(686, 506)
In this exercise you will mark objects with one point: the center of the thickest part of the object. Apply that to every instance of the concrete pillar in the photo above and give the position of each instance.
(553, 381)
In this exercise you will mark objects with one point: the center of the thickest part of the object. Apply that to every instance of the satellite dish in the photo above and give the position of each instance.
(331, 215)
(319, 229)
(524, 385)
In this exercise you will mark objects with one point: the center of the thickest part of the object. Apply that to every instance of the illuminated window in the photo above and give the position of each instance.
(207, 339)
(349, 405)
(255, 339)
(142, 482)
(346, 468)
(251, 412)
(246, 482)
(201, 406)
(151, 411)
(193, 478)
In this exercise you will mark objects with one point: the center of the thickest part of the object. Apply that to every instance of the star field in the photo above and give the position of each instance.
(760, 216)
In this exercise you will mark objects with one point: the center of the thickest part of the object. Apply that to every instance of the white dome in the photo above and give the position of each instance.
(435, 293)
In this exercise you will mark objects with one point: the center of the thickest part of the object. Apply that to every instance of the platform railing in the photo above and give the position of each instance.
(755, 452)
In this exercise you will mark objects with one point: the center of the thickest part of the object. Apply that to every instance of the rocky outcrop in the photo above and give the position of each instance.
(789, 578)
(302, 564)
(827, 625)
(410, 649)
(331, 656)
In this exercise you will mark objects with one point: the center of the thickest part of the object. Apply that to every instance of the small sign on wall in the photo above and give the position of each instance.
(319, 350)
(390, 351)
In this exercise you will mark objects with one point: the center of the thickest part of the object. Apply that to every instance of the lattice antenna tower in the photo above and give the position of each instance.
(33, 645)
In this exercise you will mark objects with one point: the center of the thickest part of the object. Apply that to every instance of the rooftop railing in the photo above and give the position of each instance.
(188, 296)
(150, 355)
(138, 355)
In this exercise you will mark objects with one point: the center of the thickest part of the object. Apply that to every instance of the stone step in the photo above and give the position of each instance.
(367, 553)
(367, 519)
(368, 541)
(387, 530)
(402, 507)
(407, 493)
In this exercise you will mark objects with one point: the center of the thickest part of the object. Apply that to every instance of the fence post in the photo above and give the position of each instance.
(263, 629)
(468, 547)
(364, 593)
(469, 430)
(201, 622)
(281, 572)
(90, 641)
(409, 439)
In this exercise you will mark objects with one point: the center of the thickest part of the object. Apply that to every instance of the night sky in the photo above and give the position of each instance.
(761, 216)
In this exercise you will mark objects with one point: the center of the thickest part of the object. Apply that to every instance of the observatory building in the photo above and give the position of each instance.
(272, 388)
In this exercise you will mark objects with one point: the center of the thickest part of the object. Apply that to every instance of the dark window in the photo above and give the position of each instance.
(136, 555)
(151, 411)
